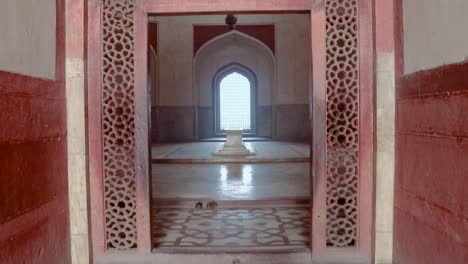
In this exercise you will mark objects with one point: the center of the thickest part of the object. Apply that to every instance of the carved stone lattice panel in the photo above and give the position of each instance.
(118, 124)
(342, 84)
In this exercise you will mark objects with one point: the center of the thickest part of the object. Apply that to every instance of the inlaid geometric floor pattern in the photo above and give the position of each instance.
(228, 230)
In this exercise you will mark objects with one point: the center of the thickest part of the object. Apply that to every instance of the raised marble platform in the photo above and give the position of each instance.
(201, 152)
(234, 146)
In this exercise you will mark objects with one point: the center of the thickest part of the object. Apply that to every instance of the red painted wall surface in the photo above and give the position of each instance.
(153, 35)
(33, 164)
(203, 34)
(431, 197)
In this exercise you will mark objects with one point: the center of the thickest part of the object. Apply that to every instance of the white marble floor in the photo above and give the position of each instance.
(189, 171)
(232, 181)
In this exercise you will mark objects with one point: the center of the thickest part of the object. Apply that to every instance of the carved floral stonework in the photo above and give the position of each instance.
(118, 124)
(342, 84)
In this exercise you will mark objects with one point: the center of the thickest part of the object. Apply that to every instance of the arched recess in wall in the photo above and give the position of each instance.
(239, 91)
(235, 47)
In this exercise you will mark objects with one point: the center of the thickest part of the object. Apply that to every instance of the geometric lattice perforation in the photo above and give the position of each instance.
(342, 89)
(118, 124)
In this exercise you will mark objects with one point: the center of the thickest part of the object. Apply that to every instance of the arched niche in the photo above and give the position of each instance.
(243, 74)
(228, 49)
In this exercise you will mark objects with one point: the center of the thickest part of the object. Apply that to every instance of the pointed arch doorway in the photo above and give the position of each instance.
(119, 121)
(214, 58)
(234, 99)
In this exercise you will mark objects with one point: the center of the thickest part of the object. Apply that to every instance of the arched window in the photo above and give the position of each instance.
(235, 100)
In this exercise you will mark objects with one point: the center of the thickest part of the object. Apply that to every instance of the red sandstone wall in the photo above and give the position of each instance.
(203, 34)
(33, 165)
(431, 184)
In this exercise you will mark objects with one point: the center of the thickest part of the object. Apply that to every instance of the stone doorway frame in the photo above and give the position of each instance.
(136, 158)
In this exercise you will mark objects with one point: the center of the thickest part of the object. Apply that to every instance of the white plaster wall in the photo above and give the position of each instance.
(27, 37)
(292, 58)
(434, 33)
(175, 52)
(240, 49)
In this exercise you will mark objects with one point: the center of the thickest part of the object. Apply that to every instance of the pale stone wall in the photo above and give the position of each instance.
(77, 159)
(434, 33)
(175, 50)
(385, 157)
(76, 131)
(385, 130)
(234, 48)
(27, 42)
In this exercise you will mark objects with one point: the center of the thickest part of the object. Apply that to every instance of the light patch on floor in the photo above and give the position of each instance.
(231, 181)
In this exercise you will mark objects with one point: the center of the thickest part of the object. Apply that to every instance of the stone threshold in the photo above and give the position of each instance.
(210, 203)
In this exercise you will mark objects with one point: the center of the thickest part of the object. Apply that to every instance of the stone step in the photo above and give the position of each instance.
(213, 204)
